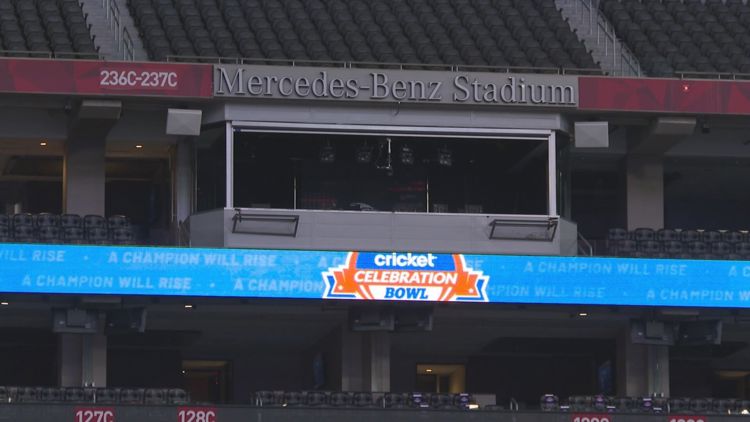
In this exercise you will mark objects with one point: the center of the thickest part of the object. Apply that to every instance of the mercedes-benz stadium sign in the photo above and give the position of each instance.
(395, 86)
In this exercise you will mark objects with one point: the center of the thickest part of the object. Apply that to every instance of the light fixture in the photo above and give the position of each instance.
(139, 146)
(444, 156)
(583, 314)
(189, 306)
(4, 303)
(183, 371)
(406, 155)
(363, 154)
(428, 370)
(327, 154)
(43, 143)
(383, 161)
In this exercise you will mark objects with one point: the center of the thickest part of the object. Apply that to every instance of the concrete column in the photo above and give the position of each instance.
(645, 191)
(84, 175)
(184, 182)
(366, 361)
(82, 360)
(84, 160)
(642, 370)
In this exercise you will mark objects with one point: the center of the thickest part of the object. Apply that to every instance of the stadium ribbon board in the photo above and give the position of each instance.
(57, 269)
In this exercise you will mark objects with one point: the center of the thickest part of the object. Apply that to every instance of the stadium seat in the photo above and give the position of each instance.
(267, 398)
(5, 234)
(315, 398)
(24, 233)
(340, 399)
(441, 401)
(71, 220)
(73, 235)
(23, 219)
(362, 399)
(53, 394)
(549, 403)
(386, 31)
(155, 396)
(678, 404)
(293, 398)
(131, 395)
(27, 394)
(395, 400)
(419, 400)
(178, 396)
(75, 395)
(107, 395)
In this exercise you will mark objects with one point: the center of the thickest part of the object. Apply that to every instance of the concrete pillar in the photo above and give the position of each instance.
(366, 361)
(85, 156)
(82, 360)
(184, 183)
(642, 370)
(645, 191)
(84, 175)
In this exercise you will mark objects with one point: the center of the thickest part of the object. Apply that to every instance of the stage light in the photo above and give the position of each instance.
(363, 154)
(444, 157)
(327, 154)
(406, 155)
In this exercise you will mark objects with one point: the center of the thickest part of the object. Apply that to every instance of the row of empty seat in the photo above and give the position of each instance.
(45, 26)
(498, 33)
(364, 400)
(684, 244)
(671, 36)
(94, 395)
(66, 228)
(674, 405)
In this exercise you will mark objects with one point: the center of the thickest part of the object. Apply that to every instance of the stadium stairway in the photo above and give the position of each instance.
(112, 25)
(598, 34)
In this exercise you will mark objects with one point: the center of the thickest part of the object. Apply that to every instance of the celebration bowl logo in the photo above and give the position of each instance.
(405, 276)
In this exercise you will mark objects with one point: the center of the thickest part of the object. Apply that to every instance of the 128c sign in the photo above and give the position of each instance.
(196, 414)
(590, 418)
(94, 414)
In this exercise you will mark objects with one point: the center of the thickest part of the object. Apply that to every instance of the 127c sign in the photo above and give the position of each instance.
(590, 418)
(94, 414)
(196, 414)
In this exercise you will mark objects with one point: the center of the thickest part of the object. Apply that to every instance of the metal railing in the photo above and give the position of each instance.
(620, 59)
(50, 54)
(383, 65)
(123, 42)
(585, 248)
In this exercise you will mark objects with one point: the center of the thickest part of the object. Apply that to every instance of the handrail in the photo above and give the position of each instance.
(686, 74)
(51, 54)
(123, 42)
(380, 65)
(623, 61)
(587, 244)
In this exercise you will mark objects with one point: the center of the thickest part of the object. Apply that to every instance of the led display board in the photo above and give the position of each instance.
(65, 269)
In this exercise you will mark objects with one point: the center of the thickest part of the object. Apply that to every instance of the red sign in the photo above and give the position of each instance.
(196, 414)
(687, 419)
(94, 414)
(587, 417)
(85, 77)
(664, 95)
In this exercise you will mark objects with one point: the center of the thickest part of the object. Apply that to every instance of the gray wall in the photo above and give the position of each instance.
(378, 231)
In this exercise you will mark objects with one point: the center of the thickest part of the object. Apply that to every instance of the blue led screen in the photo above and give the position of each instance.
(65, 269)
